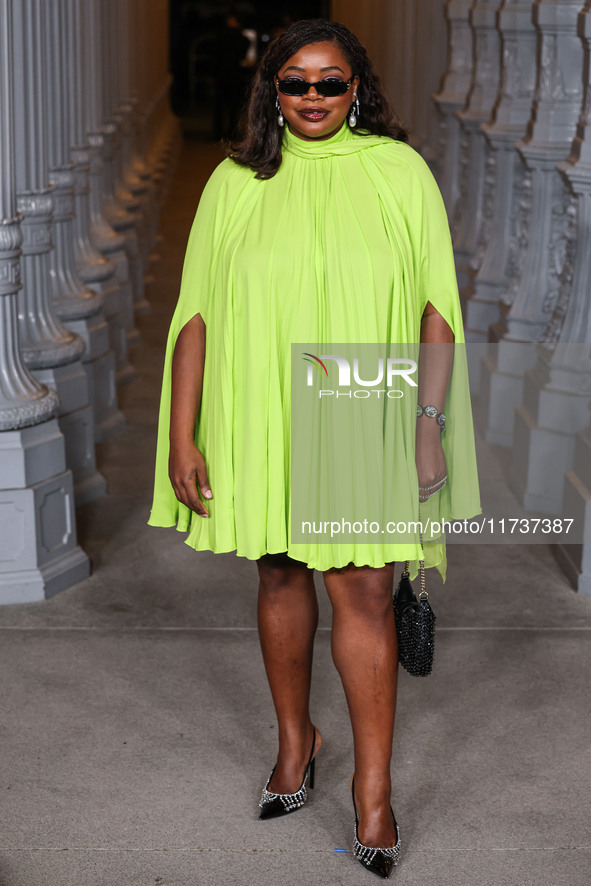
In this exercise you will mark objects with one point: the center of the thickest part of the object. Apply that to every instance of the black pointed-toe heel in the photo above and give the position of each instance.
(378, 860)
(273, 805)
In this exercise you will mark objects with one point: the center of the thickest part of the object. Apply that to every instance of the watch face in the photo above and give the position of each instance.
(431, 411)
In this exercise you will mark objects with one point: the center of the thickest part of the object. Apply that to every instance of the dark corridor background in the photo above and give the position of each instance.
(214, 48)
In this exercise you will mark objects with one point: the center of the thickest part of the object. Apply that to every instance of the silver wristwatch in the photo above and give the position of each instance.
(431, 412)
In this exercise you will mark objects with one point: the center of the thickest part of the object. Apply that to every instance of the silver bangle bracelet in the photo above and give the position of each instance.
(425, 492)
(431, 412)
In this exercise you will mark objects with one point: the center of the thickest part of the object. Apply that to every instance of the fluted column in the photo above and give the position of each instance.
(76, 304)
(160, 137)
(72, 299)
(163, 131)
(451, 100)
(137, 97)
(109, 242)
(137, 184)
(505, 188)
(507, 231)
(49, 348)
(571, 318)
(23, 400)
(39, 554)
(557, 391)
(120, 207)
(552, 127)
(140, 79)
(543, 224)
(119, 109)
(45, 340)
(138, 59)
(478, 172)
(96, 269)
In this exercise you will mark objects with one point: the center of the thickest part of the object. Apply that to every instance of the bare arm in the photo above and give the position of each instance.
(435, 363)
(186, 464)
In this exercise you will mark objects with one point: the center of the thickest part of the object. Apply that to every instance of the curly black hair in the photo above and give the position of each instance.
(260, 147)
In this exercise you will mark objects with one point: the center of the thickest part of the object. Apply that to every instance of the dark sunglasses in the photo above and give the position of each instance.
(329, 88)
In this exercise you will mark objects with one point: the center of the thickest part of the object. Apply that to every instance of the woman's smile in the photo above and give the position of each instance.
(313, 114)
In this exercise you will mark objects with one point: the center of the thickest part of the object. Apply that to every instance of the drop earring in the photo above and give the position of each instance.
(354, 115)
(280, 118)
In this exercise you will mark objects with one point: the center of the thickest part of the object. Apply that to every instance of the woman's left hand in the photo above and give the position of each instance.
(429, 457)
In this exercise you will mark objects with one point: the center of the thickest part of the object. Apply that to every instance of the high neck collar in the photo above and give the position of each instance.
(344, 141)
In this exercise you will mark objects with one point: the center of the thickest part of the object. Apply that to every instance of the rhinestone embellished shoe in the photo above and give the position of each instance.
(273, 805)
(379, 861)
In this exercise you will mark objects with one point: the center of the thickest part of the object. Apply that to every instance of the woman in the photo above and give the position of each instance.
(322, 225)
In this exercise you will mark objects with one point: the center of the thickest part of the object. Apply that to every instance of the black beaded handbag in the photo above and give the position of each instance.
(415, 625)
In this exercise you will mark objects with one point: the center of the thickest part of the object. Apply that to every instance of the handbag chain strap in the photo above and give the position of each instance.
(423, 595)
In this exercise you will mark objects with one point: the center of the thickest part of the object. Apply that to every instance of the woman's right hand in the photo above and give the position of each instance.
(188, 473)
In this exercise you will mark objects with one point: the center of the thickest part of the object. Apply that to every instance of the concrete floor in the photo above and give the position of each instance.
(137, 727)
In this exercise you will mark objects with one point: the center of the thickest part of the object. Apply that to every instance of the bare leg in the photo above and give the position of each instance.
(287, 621)
(365, 653)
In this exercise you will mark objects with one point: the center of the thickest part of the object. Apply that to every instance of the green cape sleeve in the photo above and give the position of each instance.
(436, 281)
(195, 297)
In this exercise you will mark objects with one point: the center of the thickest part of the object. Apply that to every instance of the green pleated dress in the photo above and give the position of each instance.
(346, 243)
